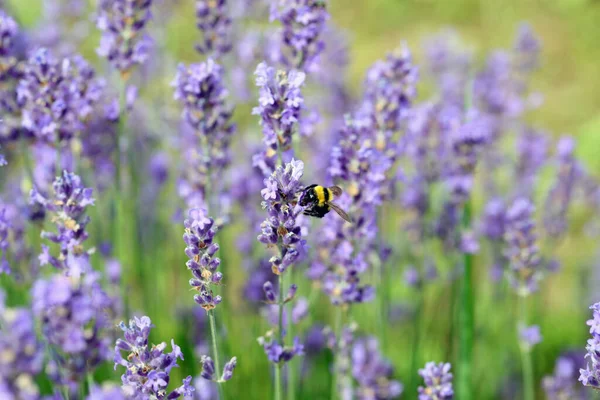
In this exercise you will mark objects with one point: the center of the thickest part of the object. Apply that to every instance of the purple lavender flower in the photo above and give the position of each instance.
(373, 373)
(75, 322)
(4, 245)
(529, 336)
(68, 207)
(57, 97)
(201, 90)
(527, 49)
(213, 21)
(124, 42)
(281, 228)
(590, 375)
(303, 23)
(438, 382)
(106, 392)
(22, 353)
(280, 105)
(521, 247)
(199, 233)
(559, 198)
(532, 149)
(562, 385)
(277, 352)
(148, 369)
(389, 90)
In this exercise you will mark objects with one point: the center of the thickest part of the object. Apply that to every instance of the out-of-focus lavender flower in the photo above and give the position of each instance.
(558, 200)
(75, 321)
(10, 73)
(278, 353)
(4, 229)
(373, 373)
(201, 89)
(281, 228)
(68, 210)
(529, 336)
(532, 149)
(63, 26)
(199, 233)
(21, 353)
(280, 103)
(492, 224)
(8, 32)
(124, 41)
(590, 375)
(57, 97)
(562, 385)
(213, 21)
(303, 23)
(527, 49)
(148, 369)
(521, 248)
(438, 382)
(106, 392)
(158, 167)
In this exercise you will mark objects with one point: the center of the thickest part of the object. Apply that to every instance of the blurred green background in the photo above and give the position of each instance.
(569, 80)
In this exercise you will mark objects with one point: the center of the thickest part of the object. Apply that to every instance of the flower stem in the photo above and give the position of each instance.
(526, 362)
(278, 382)
(416, 338)
(291, 365)
(466, 321)
(337, 331)
(213, 333)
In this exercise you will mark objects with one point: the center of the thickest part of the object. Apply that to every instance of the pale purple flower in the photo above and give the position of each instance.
(562, 384)
(124, 42)
(148, 368)
(373, 372)
(199, 233)
(303, 23)
(438, 382)
(529, 336)
(590, 375)
(68, 209)
(214, 22)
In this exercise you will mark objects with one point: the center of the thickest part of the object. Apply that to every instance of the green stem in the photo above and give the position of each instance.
(416, 339)
(334, 375)
(466, 322)
(291, 365)
(278, 382)
(213, 333)
(90, 380)
(526, 362)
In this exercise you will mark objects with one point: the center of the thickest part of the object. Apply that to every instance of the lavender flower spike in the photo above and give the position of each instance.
(590, 376)
(303, 24)
(124, 42)
(148, 369)
(281, 227)
(438, 382)
(280, 104)
(68, 210)
(212, 19)
(521, 247)
(199, 233)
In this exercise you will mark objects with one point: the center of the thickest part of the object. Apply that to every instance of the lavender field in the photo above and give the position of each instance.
(299, 199)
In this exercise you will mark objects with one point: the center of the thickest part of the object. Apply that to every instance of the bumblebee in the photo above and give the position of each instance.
(318, 200)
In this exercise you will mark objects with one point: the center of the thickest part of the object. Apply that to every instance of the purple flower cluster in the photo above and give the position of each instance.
(562, 384)
(280, 104)
(558, 200)
(390, 88)
(303, 23)
(74, 316)
(521, 248)
(68, 209)
(277, 352)
(590, 375)
(208, 369)
(199, 233)
(148, 369)
(57, 97)
(21, 353)
(281, 227)
(373, 373)
(214, 22)
(201, 90)
(438, 382)
(124, 41)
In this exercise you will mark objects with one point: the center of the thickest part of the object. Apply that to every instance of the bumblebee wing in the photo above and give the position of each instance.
(340, 212)
(336, 190)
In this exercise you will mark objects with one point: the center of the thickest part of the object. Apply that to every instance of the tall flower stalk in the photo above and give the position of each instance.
(200, 231)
